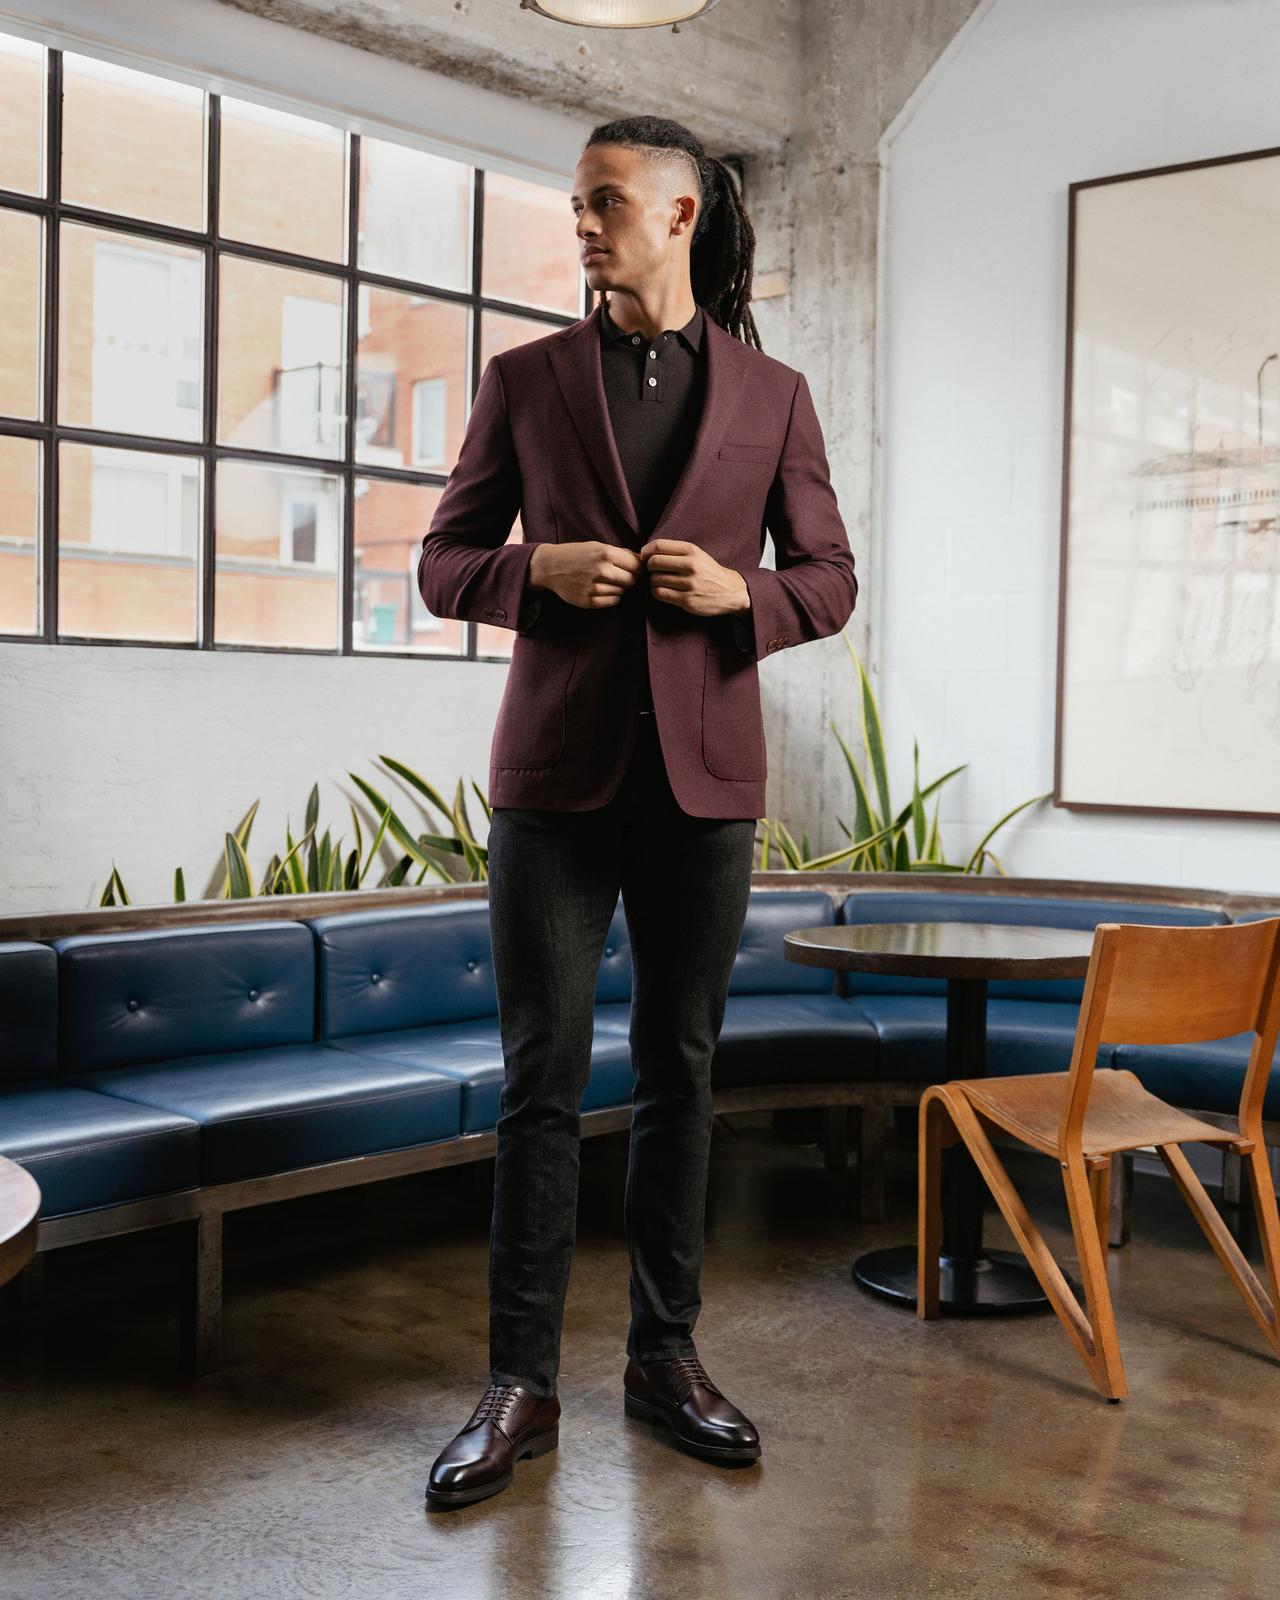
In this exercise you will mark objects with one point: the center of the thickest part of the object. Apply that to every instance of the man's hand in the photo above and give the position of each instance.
(585, 572)
(684, 575)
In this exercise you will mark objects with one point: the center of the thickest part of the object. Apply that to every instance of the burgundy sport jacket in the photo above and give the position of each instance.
(539, 443)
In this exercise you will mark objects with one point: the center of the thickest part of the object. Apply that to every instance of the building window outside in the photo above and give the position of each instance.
(429, 423)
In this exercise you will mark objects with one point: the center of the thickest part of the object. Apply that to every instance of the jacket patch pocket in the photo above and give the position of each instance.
(748, 452)
(732, 726)
(529, 732)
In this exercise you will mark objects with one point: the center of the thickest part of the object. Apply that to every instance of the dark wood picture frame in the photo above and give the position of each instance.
(1077, 196)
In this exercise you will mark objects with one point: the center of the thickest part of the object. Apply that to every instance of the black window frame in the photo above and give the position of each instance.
(50, 434)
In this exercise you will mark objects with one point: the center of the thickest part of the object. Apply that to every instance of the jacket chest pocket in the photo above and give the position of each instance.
(762, 454)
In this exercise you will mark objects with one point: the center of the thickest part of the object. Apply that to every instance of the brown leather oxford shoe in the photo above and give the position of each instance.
(507, 1425)
(679, 1393)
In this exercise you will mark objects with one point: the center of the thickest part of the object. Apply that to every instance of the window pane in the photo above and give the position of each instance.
(22, 102)
(132, 142)
(128, 541)
(391, 519)
(130, 334)
(277, 556)
(498, 332)
(284, 181)
(280, 359)
(411, 380)
(21, 295)
(415, 215)
(20, 586)
(530, 247)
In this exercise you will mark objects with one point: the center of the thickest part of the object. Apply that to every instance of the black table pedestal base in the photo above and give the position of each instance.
(992, 1281)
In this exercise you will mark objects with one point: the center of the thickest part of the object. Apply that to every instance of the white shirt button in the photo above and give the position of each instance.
(653, 381)
(635, 338)
(653, 355)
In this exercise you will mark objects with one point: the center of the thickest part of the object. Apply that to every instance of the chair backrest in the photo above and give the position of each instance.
(1172, 985)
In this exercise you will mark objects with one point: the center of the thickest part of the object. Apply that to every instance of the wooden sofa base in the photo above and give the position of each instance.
(199, 1211)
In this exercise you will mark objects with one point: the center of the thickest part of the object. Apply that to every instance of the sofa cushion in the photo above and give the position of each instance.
(28, 1011)
(87, 1150)
(1046, 911)
(406, 968)
(265, 1111)
(761, 965)
(1022, 1036)
(129, 998)
(1205, 1076)
(802, 1038)
(614, 984)
(471, 1053)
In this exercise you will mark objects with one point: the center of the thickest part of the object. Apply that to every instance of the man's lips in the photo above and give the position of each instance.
(590, 255)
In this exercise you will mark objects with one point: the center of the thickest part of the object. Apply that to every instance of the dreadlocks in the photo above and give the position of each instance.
(722, 253)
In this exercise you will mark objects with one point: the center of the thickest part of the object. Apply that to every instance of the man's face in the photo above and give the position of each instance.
(622, 207)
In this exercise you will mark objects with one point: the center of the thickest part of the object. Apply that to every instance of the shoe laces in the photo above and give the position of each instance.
(686, 1371)
(496, 1403)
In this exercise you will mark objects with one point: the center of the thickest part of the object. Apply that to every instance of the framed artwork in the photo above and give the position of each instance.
(1168, 695)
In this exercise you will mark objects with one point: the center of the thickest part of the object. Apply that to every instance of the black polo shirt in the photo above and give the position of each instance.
(654, 389)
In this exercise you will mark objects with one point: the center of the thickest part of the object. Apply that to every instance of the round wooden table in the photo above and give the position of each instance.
(967, 955)
(19, 1214)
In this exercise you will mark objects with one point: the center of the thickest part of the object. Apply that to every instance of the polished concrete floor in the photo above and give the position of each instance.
(958, 1458)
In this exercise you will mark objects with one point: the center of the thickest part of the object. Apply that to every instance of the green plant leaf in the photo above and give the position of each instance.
(995, 827)
(397, 873)
(377, 841)
(933, 845)
(427, 790)
(355, 823)
(873, 737)
(239, 877)
(398, 831)
(865, 820)
(917, 803)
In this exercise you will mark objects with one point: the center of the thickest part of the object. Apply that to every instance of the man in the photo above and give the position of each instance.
(646, 448)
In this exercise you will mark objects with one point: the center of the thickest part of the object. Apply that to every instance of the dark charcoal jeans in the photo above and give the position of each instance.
(554, 880)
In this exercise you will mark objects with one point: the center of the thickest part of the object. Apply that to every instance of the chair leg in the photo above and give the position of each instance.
(835, 1138)
(1088, 1197)
(1100, 1194)
(1092, 1332)
(1120, 1228)
(871, 1163)
(200, 1315)
(1261, 1304)
(936, 1130)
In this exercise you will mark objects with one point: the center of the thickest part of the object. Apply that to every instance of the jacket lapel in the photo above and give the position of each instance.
(575, 360)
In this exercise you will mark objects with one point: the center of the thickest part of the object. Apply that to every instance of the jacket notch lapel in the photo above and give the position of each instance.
(725, 373)
(580, 374)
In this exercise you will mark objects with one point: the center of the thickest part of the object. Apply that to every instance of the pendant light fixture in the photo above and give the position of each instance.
(620, 13)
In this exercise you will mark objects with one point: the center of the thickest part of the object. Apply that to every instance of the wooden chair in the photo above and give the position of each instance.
(1145, 985)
